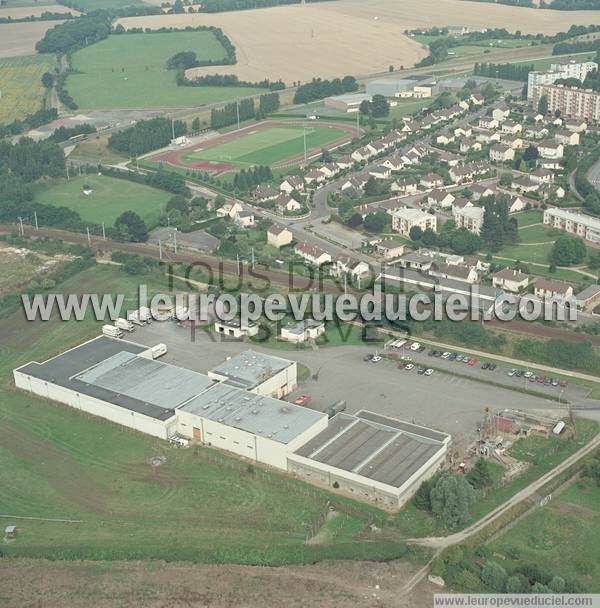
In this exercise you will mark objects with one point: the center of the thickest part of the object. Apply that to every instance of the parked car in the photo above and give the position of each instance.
(533, 379)
(376, 358)
(446, 355)
(472, 361)
(511, 372)
(492, 367)
(563, 383)
(541, 379)
(528, 374)
(431, 353)
(428, 372)
(421, 349)
(401, 365)
(554, 381)
(303, 400)
(485, 366)
(415, 346)
(421, 371)
(367, 357)
(452, 357)
(409, 366)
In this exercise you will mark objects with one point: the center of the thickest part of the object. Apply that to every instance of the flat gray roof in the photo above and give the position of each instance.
(249, 369)
(376, 447)
(64, 370)
(262, 416)
(300, 327)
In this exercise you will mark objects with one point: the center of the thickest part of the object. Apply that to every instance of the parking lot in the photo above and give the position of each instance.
(444, 400)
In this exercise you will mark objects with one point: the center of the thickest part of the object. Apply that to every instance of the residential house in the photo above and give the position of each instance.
(445, 138)
(389, 250)
(279, 236)
(577, 125)
(361, 154)
(465, 131)
(546, 289)
(431, 180)
(457, 272)
(567, 138)
(311, 254)
(263, 194)
(551, 149)
(480, 191)
(405, 219)
(230, 210)
(416, 261)
(501, 113)
(552, 164)
(348, 266)
(488, 122)
(468, 145)
(381, 172)
(535, 132)
(244, 219)
(440, 198)
(287, 204)
(511, 128)
(294, 182)
(470, 218)
(356, 182)
(314, 177)
(524, 184)
(405, 186)
(344, 162)
(542, 176)
(516, 203)
(476, 99)
(501, 153)
(510, 280)
(589, 298)
(394, 163)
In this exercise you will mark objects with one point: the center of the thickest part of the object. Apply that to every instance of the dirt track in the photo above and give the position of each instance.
(175, 157)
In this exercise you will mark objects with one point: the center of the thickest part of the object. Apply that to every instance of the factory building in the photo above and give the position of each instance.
(371, 457)
(367, 456)
(261, 374)
(401, 87)
(347, 103)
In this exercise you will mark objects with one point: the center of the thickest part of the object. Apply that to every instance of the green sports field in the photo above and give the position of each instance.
(267, 146)
(109, 198)
(128, 71)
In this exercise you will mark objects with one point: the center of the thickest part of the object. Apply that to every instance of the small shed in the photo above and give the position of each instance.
(10, 531)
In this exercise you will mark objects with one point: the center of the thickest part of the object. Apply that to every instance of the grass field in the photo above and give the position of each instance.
(128, 71)
(267, 146)
(527, 218)
(21, 85)
(110, 198)
(94, 5)
(538, 234)
(563, 538)
(200, 505)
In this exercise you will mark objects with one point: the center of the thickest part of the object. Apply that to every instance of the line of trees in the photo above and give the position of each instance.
(269, 103)
(506, 71)
(72, 35)
(146, 135)
(319, 89)
(228, 115)
(225, 80)
(37, 119)
(247, 179)
(498, 228)
(45, 16)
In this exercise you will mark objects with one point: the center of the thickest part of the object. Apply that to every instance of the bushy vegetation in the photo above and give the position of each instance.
(506, 71)
(72, 35)
(146, 135)
(319, 89)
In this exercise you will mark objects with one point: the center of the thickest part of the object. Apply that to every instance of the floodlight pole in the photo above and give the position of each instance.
(21, 229)
(159, 250)
(87, 228)
(103, 232)
(175, 239)
(237, 105)
(36, 220)
(305, 153)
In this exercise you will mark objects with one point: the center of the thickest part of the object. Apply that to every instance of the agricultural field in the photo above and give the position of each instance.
(266, 147)
(18, 39)
(562, 538)
(131, 496)
(109, 198)
(21, 86)
(128, 71)
(20, 10)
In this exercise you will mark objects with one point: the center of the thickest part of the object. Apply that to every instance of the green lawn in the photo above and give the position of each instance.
(528, 253)
(406, 108)
(563, 538)
(128, 71)
(21, 85)
(267, 146)
(538, 234)
(527, 218)
(94, 5)
(109, 198)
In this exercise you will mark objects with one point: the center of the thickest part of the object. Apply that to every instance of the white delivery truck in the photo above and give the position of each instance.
(111, 331)
(124, 324)
(145, 314)
(154, 352)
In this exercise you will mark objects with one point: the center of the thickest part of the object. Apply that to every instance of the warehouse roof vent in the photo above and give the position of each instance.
(254, 412)
(284, 409)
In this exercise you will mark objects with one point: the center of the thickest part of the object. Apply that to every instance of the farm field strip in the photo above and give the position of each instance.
(18, 39)
(21, 85)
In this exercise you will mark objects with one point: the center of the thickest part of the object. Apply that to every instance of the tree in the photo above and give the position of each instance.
(371, 187)
(531, 153)
(493, 576)
(568, 250)
(451, 499)
(543, 105)
(379, 106)
(196, 124)
(376, 222)
(365, 107)
(506, 179)
(131, 227)
(423, 496)
(429, 238)
(47, 80)
(479, 476)
(514, 584)
(416, 233)
(464, 242)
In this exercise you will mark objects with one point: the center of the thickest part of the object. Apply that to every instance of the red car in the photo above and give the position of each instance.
(401, 365)
(563, 383)
(541, 379)
(303, 400)
(472, 361)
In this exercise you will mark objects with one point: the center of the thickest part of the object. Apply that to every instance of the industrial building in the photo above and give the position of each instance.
(347, 103)
(402, 87)
(257, 373)
(371, 457)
